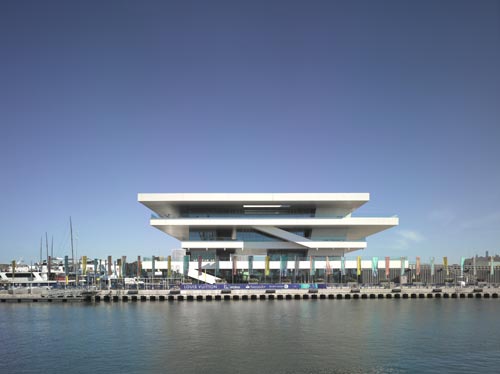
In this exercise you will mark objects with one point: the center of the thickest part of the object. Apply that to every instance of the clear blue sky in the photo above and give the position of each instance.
(102, 100)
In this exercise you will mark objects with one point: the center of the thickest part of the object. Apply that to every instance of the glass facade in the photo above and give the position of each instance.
(229, 212)
(199, 234)
(290, 254)
(306, 233)
(205, 255)
(247, 235)
(252, 235)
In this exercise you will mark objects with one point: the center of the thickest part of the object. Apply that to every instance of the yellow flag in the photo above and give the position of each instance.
(267, 266)
(169, 266)
(84, 265)
(445, 264)
(359, 265)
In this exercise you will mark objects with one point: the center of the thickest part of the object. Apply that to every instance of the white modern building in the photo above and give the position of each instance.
(295, 226)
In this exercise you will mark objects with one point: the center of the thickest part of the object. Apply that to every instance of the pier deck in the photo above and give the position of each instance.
(226, 295)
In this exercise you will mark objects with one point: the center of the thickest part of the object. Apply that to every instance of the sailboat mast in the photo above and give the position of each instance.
(47, 253)
(40, 263)
(72, 250)
(51, 254)
(47, 246)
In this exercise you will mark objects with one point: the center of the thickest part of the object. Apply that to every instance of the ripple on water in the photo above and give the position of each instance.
(330, 336)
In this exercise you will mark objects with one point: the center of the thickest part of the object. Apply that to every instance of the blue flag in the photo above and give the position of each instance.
(375, 266)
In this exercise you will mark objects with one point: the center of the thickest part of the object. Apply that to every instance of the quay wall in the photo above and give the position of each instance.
(344, 293)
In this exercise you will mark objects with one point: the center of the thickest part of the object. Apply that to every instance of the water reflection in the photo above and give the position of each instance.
(327, 336)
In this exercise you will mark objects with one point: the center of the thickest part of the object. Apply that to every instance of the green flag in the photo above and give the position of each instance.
(312, 264)
(186, 266)
(283, 264)
(66, 265)
(250, 265)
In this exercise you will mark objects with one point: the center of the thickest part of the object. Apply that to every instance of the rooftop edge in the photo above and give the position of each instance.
(248, 197)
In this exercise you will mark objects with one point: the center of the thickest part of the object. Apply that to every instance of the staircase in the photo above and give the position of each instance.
(204, 277)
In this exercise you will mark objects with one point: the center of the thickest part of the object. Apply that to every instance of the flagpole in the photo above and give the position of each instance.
(341, 271)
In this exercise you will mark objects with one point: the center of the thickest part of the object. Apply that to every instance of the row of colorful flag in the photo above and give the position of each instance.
(328, 268)
(121, 263)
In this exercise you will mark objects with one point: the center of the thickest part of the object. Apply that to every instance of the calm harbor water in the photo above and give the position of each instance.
(297, 336)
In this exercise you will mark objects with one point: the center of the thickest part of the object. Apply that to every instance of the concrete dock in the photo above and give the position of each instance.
(344, 293)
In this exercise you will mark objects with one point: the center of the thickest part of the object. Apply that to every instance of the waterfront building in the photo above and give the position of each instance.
(260, 232)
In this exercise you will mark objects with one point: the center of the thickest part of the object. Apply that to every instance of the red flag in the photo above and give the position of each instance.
(110, 263)
(387, 266)
(328, 267)
(139, 266)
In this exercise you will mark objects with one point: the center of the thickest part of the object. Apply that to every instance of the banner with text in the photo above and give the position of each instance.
(250, 286)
